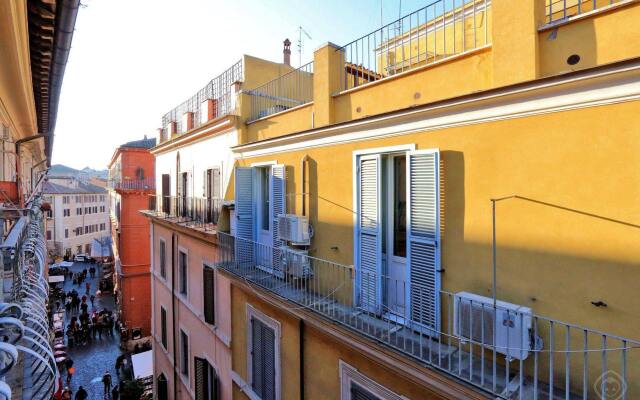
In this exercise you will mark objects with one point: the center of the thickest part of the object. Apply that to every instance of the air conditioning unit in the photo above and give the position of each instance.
(476, 320)
(294, 228)
(296, 262)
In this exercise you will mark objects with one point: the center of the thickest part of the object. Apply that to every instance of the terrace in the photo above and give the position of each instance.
(200, 213)
(549, 359)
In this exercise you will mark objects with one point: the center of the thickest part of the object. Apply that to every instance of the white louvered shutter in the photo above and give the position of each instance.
(244, 216)
(278, 206)
(369, 267)
(423, 238)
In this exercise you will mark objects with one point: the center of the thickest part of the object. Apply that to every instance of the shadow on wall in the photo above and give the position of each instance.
(570, 47)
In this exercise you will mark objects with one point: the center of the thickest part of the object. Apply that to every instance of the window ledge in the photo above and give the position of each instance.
(244, 386)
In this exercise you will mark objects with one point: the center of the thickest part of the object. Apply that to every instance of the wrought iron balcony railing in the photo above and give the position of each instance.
(199, 212)
(132, 184)
(538, 358)
(440, 30)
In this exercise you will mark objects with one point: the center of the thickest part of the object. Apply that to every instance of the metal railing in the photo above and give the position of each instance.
(218, 90)
(132, 184)
(560, 10)
(538, 358)
(442, 29)
(292, 89)
(200, 212)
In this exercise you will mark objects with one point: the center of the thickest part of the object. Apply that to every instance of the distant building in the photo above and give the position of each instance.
(131, 183)
(79, 214)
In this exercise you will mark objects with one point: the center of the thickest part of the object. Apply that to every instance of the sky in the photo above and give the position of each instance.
(134, 60)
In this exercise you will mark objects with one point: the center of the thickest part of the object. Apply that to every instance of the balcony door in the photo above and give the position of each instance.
(183, 182)
(212, 193)
(166, 193)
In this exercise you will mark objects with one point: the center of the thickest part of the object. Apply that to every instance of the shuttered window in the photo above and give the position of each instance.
(360, 393)
(163, 259)
(208, 294)
(244, 216)
(163, 327)
(206, 380)
(263, 360)
(278, 207)
(183, 267)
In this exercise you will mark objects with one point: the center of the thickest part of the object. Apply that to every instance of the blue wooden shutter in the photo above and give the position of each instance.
(423, 238)
(244, 216)
(369, 261)
(278, 206)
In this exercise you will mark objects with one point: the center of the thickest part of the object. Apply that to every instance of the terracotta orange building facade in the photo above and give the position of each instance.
(131, 181)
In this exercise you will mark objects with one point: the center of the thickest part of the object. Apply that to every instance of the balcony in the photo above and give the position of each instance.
(201, 213)
(549, 360)
(211, 102)
(132, 184)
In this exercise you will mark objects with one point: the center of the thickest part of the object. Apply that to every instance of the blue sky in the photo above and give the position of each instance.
(134, 60)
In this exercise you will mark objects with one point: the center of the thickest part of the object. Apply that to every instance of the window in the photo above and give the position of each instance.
(264, 355)
(66, 233)
(95, 209)
(206, 380)
(163, 327)
(48, 235)
(163, 259)
(79, 211)
(86, 229)
(264, 198)
(184, 356)
(356, 386)
(163, 388)
(49, 214)
(209, 304)
(183, 272)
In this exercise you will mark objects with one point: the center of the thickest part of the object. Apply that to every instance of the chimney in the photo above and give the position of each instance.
(287, 52)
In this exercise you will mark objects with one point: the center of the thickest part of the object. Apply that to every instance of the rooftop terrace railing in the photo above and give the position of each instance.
(440, 30)
(548, 359)
(218, 89)
(561, 10)
(290, 90)
(198, 212)
(132, 184)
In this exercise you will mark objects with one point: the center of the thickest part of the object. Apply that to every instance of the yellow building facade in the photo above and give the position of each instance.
(411, 152)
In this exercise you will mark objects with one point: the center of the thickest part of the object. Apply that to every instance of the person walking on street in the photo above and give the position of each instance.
(92, 299)
(81, 394)
(87, 287)
(106, 381)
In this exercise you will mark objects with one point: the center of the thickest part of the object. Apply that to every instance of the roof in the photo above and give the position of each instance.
(54, 188)
(140, 144)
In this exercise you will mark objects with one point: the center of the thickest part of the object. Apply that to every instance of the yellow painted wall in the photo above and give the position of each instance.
(258, 71)
(602, 39)
(297, 120)
(555, 260)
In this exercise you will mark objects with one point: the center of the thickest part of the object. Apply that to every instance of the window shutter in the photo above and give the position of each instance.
(269, 363)
(423, 237)
(244, 215)
(202, 389)
(214, 385)
(369, 260)
(359, 393)
(257, 377)
(278, 204)
(215, 183)
(209, 299)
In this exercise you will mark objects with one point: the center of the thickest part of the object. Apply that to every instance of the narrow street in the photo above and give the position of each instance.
(99, 355)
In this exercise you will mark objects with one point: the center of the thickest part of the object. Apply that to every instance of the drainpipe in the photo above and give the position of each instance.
(18, 162)
(174, 254)
(303, 164)
(301, 336)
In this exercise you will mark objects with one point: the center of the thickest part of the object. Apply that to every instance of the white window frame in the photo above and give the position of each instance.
(349, 374)
(253, 312)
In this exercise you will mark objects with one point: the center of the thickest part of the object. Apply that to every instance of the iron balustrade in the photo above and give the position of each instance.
(561, 10)
(218, 89)
(293, 89)
(132, 184)
(200, 212)
(440, 30)
(551, 360)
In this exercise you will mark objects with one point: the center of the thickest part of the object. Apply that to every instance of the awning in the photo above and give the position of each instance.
(56, 279)
(142, 364)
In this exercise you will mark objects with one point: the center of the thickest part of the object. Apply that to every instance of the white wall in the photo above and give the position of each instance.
(196, 158)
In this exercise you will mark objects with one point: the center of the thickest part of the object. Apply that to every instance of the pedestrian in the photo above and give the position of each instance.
(92, 271)
(81, 394)
(100, 328)
(70, 373)
(115, 393)
(92, 299)
(106, 381)
(67, 393)
(87, 287)
(84, 307)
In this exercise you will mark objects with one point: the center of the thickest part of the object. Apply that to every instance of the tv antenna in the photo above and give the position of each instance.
(300, 32)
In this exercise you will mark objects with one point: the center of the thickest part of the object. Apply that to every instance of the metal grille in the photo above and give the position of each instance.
(218, 89)
(560, 10)
(440, 30)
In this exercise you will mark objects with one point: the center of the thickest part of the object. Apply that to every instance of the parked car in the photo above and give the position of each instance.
(81, 257)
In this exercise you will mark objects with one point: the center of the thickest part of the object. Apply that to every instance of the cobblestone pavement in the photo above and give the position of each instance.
(92, 360)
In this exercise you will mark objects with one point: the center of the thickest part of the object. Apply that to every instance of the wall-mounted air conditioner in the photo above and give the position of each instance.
(507, 327)
(296, 262)
(294, 228)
